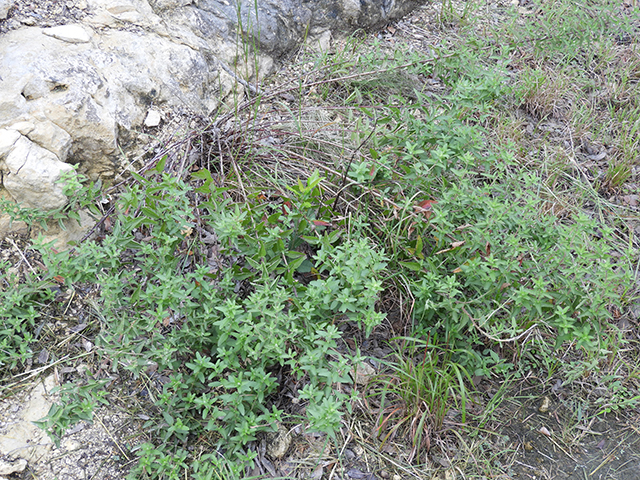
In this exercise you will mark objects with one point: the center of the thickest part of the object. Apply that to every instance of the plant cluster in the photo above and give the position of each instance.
(223, 334)
(220, 280)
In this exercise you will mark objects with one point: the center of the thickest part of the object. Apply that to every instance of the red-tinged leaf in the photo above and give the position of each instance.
(59, 279)
(321, 223)
(427, 204)
(426, 207)
(372, 172)
(198, 284)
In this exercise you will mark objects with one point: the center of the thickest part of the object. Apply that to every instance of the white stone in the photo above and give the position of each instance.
(70, 231)
(153, 119)
(5, 5)
(321, 42)
(48, 135)
(25, 128)
(8, 138)
(23, 439)
(8, 468)
(30, 173)
(12, 104)
(68, 33)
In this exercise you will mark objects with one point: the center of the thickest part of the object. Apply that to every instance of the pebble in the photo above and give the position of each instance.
(153, 119)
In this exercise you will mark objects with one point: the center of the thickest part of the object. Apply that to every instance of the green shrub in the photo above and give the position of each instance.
(221, 334)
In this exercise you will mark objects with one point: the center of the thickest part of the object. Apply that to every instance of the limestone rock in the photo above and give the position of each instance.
(69, 231)
(30, 173)
(69, 33)
(8, 468)
(46, 134)
(21, 438)
(79, 91)
(5, 5)
(8, 139)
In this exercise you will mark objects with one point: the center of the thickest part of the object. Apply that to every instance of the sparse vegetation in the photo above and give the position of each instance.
(470, 207)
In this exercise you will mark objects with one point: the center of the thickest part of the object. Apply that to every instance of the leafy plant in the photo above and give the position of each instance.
(77, 402)
(221, 348)
(20, 304)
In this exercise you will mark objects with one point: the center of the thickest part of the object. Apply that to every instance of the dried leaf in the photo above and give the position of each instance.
(266, 463)
(321, 223)
(317, 473)
(87, 345)
(426, 206)
(78, 328)
(454, 245)
(545, 431)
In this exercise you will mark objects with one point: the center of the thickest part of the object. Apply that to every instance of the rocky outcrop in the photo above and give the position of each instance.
(78, 79)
